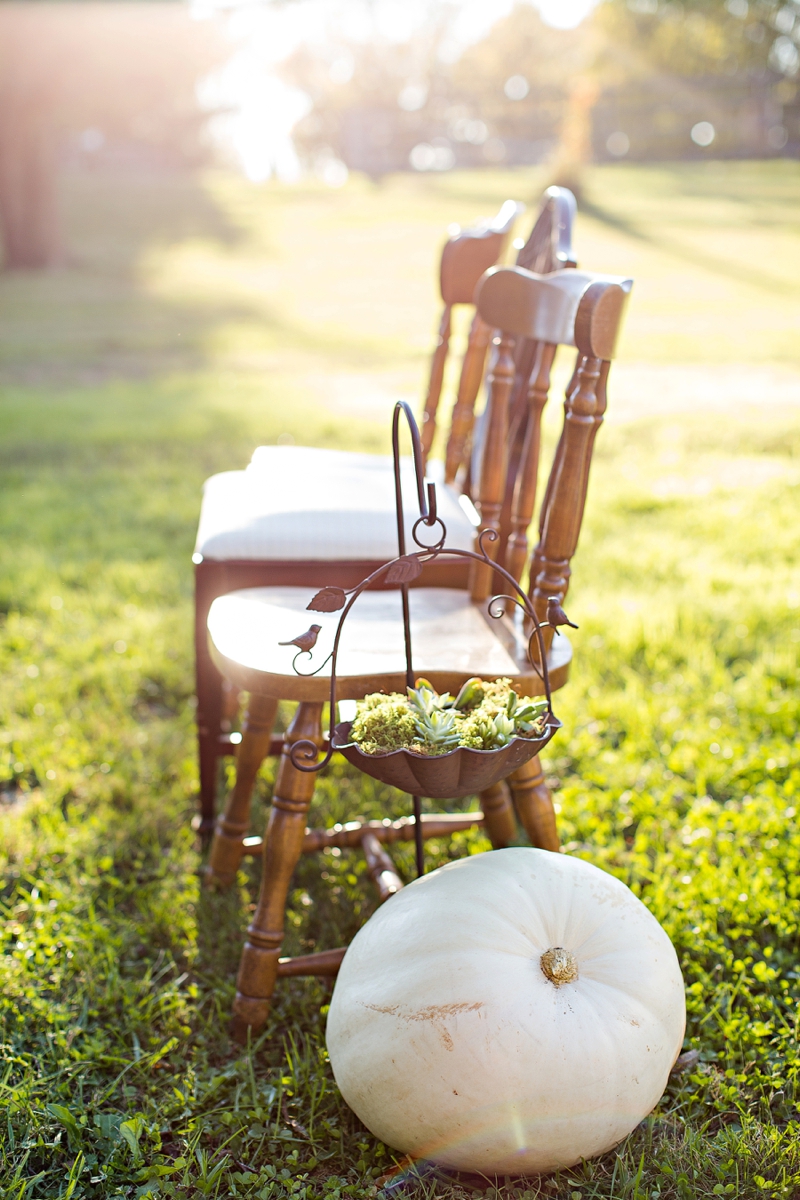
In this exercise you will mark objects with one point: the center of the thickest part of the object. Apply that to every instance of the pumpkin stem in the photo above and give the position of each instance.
(559, 965)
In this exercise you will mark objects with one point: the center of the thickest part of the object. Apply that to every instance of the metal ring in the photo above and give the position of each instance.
(424, 521)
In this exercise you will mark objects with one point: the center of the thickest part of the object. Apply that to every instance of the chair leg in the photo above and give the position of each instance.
(534, 805)
(209, 714)
(283, 843)
(209, 727)
(498, 815)
(233, 824)
(230, 704)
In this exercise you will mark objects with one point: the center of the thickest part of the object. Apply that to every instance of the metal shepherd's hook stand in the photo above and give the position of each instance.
(401, 572)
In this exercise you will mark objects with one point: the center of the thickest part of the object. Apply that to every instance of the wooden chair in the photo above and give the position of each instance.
(454, 638)
(297, 516)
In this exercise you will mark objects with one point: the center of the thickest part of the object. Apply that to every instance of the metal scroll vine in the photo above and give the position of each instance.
(401, 572)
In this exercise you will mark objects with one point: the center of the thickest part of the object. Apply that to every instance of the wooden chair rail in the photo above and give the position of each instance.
(351, 835)
(380, 867)
(324, 962)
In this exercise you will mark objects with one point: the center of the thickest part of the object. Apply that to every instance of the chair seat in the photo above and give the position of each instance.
(452, 640)
(295, 503)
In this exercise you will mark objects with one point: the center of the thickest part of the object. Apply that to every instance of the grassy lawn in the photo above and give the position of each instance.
(200, 318)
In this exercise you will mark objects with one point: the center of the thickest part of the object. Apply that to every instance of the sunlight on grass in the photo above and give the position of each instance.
(196, 322)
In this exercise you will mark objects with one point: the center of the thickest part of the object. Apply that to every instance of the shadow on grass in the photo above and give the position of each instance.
(106, 316)
(728, 268)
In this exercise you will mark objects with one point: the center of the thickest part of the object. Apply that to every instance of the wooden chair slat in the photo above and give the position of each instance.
(494, 461)
(549, 246)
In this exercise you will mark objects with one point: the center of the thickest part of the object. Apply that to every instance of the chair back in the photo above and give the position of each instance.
(548, 249)
(569, 308)
(466, 255)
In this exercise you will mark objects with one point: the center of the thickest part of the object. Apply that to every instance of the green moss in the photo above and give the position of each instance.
(383, 723)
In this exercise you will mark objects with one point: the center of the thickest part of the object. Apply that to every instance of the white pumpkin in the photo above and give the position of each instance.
(513, 1012)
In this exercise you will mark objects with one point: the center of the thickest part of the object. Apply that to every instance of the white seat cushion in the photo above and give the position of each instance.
(295, 503)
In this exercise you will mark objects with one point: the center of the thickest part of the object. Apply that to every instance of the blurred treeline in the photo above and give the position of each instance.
(633, 80)
(116, 81)
(380, 107)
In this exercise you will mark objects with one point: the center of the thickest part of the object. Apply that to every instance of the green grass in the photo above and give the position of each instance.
(196, 321)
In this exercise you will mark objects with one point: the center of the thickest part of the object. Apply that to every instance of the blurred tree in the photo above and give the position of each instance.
(698, 38)
(122, 70)
(531, 84)
(371, 101)
(724, 69)
(519, 72)
(503, 97)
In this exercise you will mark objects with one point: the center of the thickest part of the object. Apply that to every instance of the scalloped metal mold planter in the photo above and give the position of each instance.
(460, 772)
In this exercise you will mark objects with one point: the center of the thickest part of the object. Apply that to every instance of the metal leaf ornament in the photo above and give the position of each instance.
(328, 599)
(556, 615)
(404, 570)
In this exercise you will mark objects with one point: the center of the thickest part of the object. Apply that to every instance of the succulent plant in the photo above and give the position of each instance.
(483, 716)
(434, 717)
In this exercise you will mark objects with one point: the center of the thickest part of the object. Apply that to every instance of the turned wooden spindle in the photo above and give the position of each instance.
(597, 325)
(227, 847)
(559, 452)
(498, 815)
(463, 418)
(565, 500)
(438, 362)
(283, 844)
(534, 805)
(527, 474)
(491, 486)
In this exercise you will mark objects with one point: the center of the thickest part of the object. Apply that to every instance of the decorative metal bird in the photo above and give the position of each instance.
(305, 641)
(556, 615)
